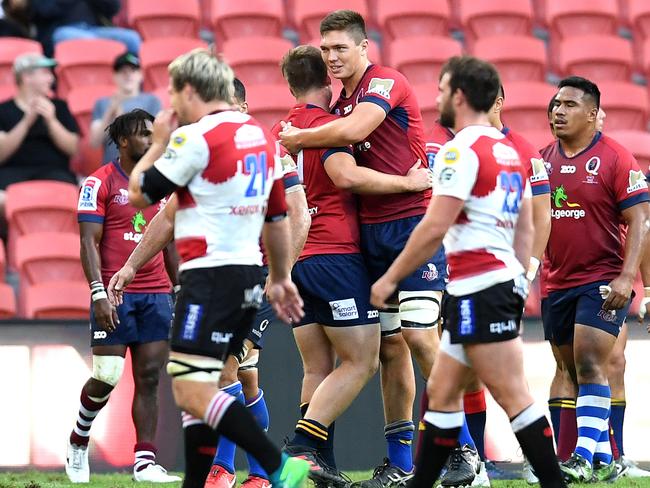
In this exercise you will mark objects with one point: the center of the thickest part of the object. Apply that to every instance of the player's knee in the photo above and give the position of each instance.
(197, 368)
(589, 371)
(250, 361)
(392, 347)
(147, 376)
(419, 309)
(108, 369)
(616, 366)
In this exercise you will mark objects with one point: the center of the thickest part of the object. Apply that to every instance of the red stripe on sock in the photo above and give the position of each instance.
(474, 402)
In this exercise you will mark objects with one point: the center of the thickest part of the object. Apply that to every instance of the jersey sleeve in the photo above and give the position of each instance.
(326, 153)
(91, 206)
(630, 186)
(455, 171)
(388, 92)
(277, 204)
(186, 155)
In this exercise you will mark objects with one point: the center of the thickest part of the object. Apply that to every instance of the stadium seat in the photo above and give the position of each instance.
(255, 66)
(599, 58)
(496, 17)
(10, 48)
(374, 51)
(84, 62)
(420, 58)
(625, 104)
(269, 103)
(7, 301)
(538, 138)
(244, 19)
(7, 92)
(3, 261)
(427, 94)
(309, 13)
(526, 104)
(164, 18)
(639, 18)
(410, 18)
(56, 300)
(156, 54)
(518, 58)
(48, 256)
(581, 17)
(636, 141)
(81, 102)
(88, 159)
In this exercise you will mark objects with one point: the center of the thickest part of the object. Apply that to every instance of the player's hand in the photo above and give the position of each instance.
(119, 281)
(290, 137)
(285, 299)
(381, 291)
(105, 315)
(44, 107)
(163, 125)
(419, 177)
(619, 293)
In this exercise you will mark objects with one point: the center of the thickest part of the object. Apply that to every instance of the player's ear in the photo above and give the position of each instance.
(364, 46)
(123, 141)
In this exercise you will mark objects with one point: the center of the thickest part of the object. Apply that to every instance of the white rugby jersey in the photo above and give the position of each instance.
(482, 168)
(226, 167)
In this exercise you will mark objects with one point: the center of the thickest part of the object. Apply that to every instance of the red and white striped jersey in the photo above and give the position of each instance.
(229, 178)
(482, 168)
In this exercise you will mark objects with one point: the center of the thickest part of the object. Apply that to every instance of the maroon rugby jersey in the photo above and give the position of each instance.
(589, 191)
(394, 146)
(104, 199)
(334, 225)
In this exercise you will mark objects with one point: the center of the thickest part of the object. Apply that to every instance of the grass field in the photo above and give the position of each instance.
(35, 479)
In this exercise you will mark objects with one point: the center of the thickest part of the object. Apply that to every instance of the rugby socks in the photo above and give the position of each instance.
(475, 417)
(200, 442)
(225, 456)
(568, 435)
(145, 454)
(424, 406)
(465, 438)
(439, 438)
(88, 410)
(257, 407)
(310, 433)
(327, 451)
(536, 439)
(616, 420)
(233, 420)
(399, 437)
(555, 409)
(603, 452)
(592, 416)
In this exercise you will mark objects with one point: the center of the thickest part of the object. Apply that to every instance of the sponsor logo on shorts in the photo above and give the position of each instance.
(190, 327)
(253, 297)
(99, 334)
(501, 327)
(344, 309)
(430, 274)
(607, 315)
(221, 337)
(373, 314)
(466, 312)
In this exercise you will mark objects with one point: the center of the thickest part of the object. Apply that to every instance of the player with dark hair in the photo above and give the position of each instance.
(381, 119)
(110, 229)
(597, 184)
(482, 208)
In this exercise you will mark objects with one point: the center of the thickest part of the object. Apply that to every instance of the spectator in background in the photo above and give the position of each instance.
(128, 79)
(62, 20)
(14, 19)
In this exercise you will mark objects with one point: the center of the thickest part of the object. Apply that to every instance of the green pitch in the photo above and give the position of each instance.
(35, 479)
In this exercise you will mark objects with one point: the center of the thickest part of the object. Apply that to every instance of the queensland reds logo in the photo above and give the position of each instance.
(593, 165)
(430, 274)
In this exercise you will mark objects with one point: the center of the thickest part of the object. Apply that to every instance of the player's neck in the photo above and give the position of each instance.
(206, 108)
(577, 144)
(470, 118)
(350, 84)
(126, 164)
(315, 97)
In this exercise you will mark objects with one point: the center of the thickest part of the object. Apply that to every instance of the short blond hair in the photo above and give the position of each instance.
(208, 75)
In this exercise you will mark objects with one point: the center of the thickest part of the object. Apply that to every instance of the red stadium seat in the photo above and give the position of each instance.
(7, 301)
(581, 17)
(56, 300)
(538, 138)
(3, 260)
(636, 141)
(427, 94)
(309, 13)
(413, 18)
(597, 57)
(374, 51)
(81, 102)
(48, 256)
(252, 65)
(7, 92)
(518, 58)
(639, 18)
(269, 103)
(526, 104)
(496, 17)
(84, 62)
(243, 19)
(88, 159)
(164, 18)
(156, 54)
(420, 58)
(10, 48)
(625, 104)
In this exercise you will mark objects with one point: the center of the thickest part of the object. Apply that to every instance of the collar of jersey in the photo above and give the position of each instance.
(344, 95)
(117, 165)
(591, 144)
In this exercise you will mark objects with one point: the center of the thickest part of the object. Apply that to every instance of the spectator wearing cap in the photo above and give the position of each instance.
(38, 134)
(61, 20)
(128, 80)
